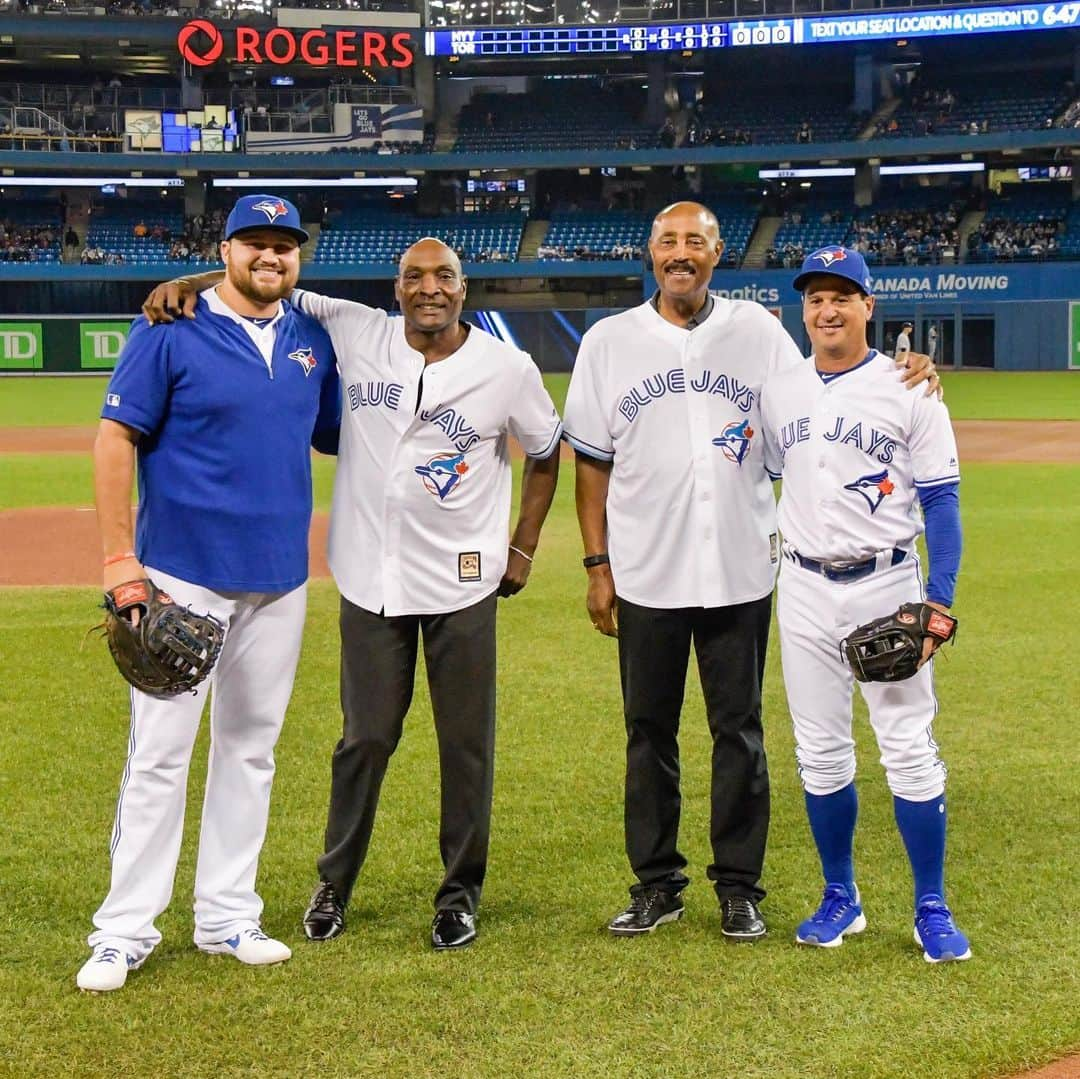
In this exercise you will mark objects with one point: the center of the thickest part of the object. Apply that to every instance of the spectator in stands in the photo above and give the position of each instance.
(805, 133)
(71, 238)
(140, 230)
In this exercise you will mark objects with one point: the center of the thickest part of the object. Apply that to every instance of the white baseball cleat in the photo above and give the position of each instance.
(251, 946)
(106, 969)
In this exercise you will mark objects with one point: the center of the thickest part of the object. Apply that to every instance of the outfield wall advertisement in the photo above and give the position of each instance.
(62, 344)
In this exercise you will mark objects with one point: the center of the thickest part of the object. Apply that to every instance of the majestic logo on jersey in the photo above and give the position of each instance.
(734, 442)
(273, 208)
(306, 360)
(443, 473)
(873, 488)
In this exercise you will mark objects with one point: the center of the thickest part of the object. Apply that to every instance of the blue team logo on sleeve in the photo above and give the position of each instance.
(874, 488)
(734, 441)
(443, 473)
(273, 208)
(304, 357)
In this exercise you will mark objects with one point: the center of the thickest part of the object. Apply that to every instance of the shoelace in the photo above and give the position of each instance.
(326, 900)
(256, 934)
(936, 921)
(833, 905)
(738, 905)
(108, 955)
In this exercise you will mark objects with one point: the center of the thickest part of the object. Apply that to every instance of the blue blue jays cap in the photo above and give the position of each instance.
(839, 261)
(264, 212)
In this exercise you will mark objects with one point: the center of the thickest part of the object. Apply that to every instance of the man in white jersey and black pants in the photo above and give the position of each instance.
(418, 545)
(857, 452)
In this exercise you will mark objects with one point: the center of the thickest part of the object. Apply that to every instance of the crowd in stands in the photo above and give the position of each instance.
(1004, 238)
(910, 237)
(583, 253)
(27, 243)
(701, 132)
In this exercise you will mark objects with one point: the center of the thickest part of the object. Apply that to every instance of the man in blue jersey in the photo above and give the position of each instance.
(218, 414)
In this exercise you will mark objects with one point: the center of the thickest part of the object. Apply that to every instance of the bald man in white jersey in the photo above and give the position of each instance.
(418, 548)
(678, 522)
(860, 457)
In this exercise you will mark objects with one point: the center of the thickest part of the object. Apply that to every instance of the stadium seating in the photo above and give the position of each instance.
(562, 114)
(778, 118)
(112, 230)
(1024, 223)
(378, 235)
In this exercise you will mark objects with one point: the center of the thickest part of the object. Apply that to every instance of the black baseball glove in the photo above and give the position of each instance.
(169, 650)
(890, 649)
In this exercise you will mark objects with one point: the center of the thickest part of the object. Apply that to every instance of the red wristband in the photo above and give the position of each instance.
(114, 558)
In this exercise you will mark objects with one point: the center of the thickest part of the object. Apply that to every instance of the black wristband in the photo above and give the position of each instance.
(595, 560)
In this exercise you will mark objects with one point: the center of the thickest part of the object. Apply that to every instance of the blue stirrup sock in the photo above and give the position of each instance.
(832, 822)
(922, 827)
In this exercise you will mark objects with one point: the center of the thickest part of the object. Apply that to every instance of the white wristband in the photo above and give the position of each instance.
(518, 550)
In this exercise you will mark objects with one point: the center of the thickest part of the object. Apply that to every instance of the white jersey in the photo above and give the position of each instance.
(854, 450)
(690, 509)
(903, 343)
(421, 507)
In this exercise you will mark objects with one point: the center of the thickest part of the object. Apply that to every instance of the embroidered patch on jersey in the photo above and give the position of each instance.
(306, 360)
(734, 441)
(112, 400)
(273, 208)
(468, 566)
(873, 488)
(774, 546)
(443, 473)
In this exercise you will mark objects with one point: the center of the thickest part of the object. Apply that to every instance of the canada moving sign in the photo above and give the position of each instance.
(201, 44)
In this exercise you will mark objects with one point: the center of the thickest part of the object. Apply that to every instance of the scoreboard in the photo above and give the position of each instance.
(496, 41)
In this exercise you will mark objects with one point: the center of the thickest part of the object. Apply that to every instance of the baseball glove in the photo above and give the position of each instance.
(889, 649)
(171, 649)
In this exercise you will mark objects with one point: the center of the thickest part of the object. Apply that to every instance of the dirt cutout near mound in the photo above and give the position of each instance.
(61, 546)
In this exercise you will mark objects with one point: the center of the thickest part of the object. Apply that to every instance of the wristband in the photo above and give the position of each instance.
(595, 560)
(518, 550)
(114, 558)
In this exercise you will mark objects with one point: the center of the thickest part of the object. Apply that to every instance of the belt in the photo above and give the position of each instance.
(848, 571)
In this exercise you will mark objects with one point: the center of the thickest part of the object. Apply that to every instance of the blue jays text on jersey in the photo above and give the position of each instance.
(461, 433)
(674, 381)
(373, 393)
(874, 443)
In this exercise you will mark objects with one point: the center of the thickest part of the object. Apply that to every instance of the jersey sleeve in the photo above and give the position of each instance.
(138, 391)
(533, 419)
(934, 459)
(338, 317)
(774, 463)
(585, 416)
(784, 353)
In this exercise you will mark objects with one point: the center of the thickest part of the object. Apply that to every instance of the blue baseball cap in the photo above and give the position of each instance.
(838, 261)
(265, 212)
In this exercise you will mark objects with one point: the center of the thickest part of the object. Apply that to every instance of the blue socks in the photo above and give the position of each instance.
(922, 826)
(832, 822)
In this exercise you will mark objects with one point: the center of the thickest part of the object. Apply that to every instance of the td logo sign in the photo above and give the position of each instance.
(20, 346)
(100, 344)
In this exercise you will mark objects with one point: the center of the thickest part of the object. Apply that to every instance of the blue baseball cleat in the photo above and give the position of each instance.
(839, 914)
(936, 932)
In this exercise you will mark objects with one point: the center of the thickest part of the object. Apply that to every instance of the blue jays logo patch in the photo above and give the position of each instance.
(873, 487)
(443, 473)
(734, 442)
(273, 208)
(306, 360)
(831, 255)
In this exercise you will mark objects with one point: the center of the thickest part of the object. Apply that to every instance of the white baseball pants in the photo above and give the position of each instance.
(815, 614)
(249, 691)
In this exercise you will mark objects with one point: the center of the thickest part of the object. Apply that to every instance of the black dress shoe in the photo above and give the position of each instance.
(740, 918)
(453, 929)
(325, 917)
(647, 910)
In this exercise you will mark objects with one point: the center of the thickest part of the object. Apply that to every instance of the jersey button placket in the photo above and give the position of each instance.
(703, 468)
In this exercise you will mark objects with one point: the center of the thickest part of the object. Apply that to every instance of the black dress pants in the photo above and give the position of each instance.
(378, 669)
(654, 651)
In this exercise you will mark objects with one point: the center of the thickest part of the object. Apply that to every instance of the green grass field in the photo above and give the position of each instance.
(545, 991)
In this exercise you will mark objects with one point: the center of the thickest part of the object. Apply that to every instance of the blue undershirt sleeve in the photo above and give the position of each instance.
(941, 511)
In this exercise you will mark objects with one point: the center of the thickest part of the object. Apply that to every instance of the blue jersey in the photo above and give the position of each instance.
(224, 460)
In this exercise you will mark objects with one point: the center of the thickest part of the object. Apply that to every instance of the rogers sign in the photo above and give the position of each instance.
(201, 44)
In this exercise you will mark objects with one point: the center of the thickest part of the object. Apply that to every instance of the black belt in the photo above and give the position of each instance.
(848, 571)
